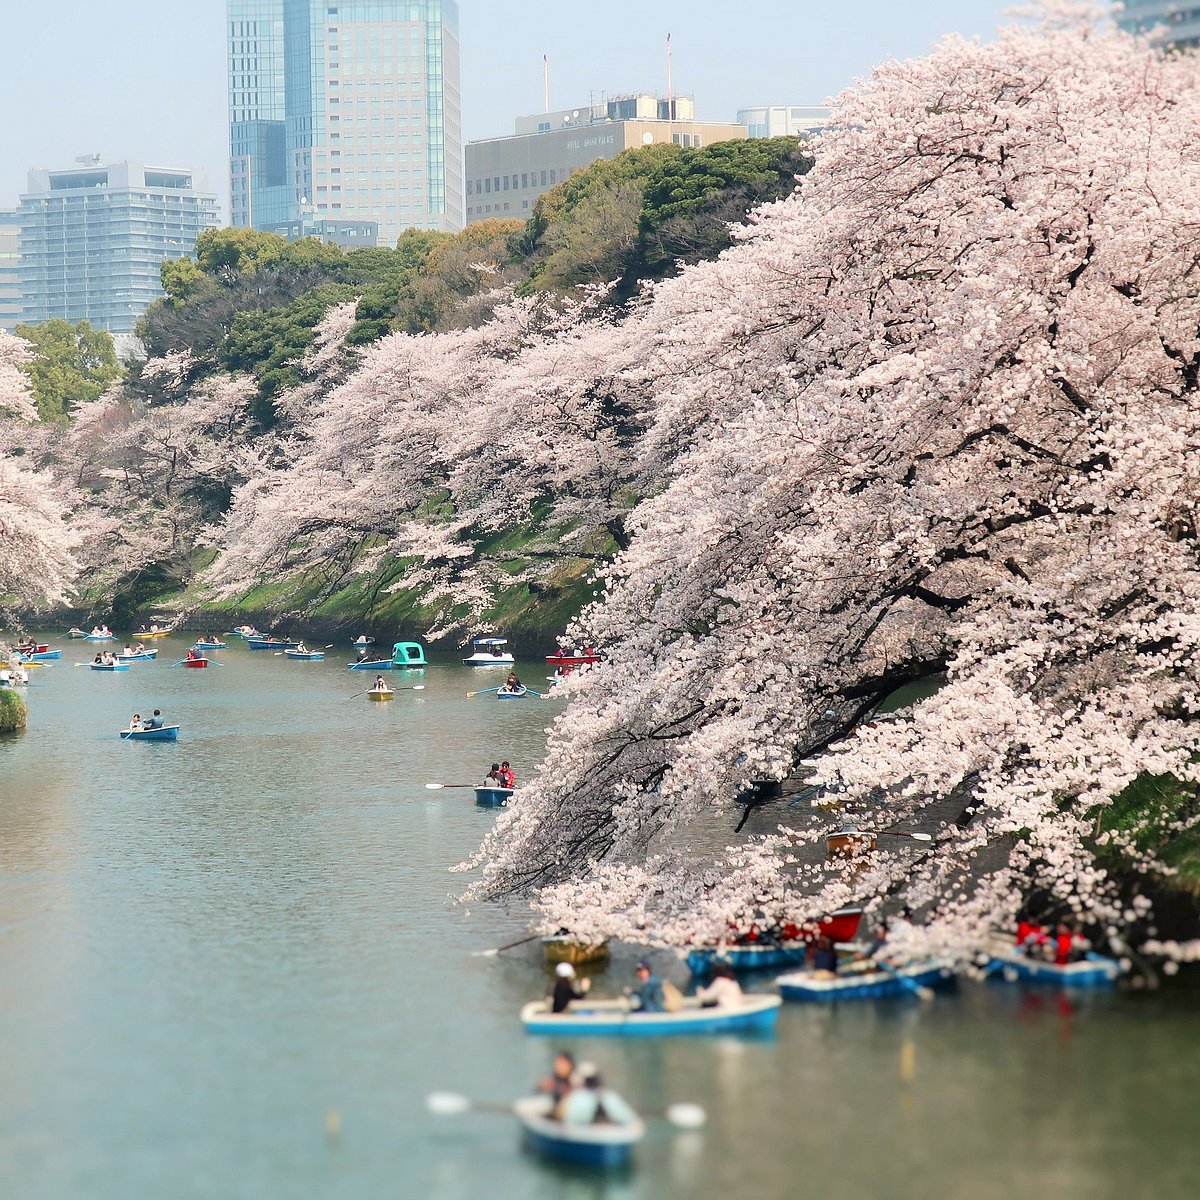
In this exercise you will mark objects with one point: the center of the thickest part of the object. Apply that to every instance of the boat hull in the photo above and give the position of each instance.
(195, 664)
(109, 666)
(568, 950)
(492, 797)
(308, 656)
(748, 958)
(145, 656)
(264, 644)
(380, 695)
(168, 733)
(516, 694)
(77, 633)
(489, 660)
(1094, 971)
(864, 985)
(607, 1147)
(382, 664)
(46, 656)
(105, 637)
(210, 645)
(611, 1018)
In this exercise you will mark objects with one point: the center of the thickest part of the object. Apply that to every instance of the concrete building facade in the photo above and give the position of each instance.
(93, 239)
(10, 269)
(349, 107)
(784, 120)
(1168, 22)
(506, 175)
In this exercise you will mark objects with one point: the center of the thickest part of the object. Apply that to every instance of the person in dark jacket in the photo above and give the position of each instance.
(567, 988)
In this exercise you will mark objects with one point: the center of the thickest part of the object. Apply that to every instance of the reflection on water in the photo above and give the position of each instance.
(206, 948)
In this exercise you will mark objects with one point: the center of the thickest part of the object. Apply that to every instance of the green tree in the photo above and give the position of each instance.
(72, 364)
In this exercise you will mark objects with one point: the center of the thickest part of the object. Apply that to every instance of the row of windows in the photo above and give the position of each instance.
(527, 179)
(483, 209)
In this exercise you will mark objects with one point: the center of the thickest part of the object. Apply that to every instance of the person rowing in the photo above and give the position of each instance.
(380, 685)
(566, 988)
(512, 683)
(589, 1102)
(154, 722)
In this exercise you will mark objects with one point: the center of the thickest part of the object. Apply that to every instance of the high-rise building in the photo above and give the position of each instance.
(10, 269)
(506, 175)
(784, 120)
(93, 239)
(346, 109)
(1168, 22)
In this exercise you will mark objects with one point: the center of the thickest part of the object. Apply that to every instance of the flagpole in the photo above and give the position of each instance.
(546, 80)
(670, 87)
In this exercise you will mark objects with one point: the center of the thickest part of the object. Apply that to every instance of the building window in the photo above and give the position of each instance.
(553, 178)
(543, 179)
(525, 180)
(506, 183)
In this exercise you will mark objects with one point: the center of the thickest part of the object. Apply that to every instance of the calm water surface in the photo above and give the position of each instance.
(206, 947)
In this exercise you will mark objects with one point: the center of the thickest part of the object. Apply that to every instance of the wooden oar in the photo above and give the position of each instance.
(481, 692)
(911, 985)
(533, 937)
(437, 787)
(451, 1104)
(416, 687)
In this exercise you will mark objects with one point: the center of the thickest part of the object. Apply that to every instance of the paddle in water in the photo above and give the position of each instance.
(437, 787)
(481, 692)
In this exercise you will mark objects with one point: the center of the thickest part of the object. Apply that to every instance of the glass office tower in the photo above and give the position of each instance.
(94, 237)
(345, 111)
(1168, 22)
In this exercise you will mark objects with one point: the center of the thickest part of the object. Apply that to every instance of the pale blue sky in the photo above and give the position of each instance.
(145, 79)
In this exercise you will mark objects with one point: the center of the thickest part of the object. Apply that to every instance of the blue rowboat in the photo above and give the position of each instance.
(871, 982)
(605, 1146)
(76, 632)
(165, 733)
(140, 656)
(1011, 964)
(511, 693)
(209, 645)
(305, 655)
(45, 655)
(101, 637)
(120, 666)
(747, 958)
(613, 1018)
(260, 643)
(377, 664)
(489, 797)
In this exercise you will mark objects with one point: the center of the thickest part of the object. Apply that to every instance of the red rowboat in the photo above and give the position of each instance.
(195, 662)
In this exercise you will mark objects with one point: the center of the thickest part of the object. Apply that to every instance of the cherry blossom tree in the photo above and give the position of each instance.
(36, 565)
(935, 417)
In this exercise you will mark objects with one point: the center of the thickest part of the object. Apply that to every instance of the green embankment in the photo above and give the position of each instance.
(1151, 810)
(12, 711)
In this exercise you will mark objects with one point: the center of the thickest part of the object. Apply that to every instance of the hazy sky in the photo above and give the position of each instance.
(145, 79)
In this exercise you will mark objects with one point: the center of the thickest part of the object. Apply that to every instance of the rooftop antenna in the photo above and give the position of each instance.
(670, 87)
(546, 81)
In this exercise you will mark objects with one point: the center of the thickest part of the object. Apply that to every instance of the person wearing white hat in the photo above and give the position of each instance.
(566, 988)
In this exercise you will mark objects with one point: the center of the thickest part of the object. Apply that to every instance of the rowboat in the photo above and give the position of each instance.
(165, 733)
(362, 640)
(1012, 963)
(372, 664)
(870, 982)
(44, 655)
(584, 659)
(152, 632)
(245, 631)
(562, 949)
(489, 652)
(213, 645)
(491, 797)
(116, 666)
(507, 693)
(840, 926)
(77, 633)
(614, 1018)
(380, 694)
(305, 655)
(197, 664)
(605, 1145)
(139, 656)
(266, 643)
(31, 649)
(104, 637)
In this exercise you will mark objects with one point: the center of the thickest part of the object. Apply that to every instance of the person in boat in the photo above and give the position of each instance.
(301, 648)
(154, 722)
(380, 684)
(129, 650)
(507, 778)
(1069, 946)
(98, 660)
(567, 988)
(1029, 933)
(589, 1102)
(512, 683)
(140, 648)
(362, 655)
(557, 1084)
(135, 722)
(822, 959)
(648, 996)
(724, 991)
(492, 778)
